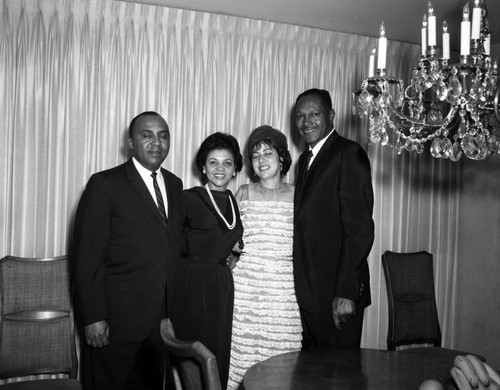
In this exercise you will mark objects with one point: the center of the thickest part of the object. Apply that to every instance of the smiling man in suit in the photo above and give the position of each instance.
(333, 228)
(127, 235)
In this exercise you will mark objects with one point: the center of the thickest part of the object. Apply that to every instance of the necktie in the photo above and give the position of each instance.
(159, 198)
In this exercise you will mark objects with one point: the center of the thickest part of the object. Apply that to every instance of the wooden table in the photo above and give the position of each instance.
(364, 369)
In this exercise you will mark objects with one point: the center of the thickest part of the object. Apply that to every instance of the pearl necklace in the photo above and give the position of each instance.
(261, 188)
(230, 227)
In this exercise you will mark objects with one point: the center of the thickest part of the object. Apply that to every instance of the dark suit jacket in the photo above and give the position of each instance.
(124, 252)
(333, 226)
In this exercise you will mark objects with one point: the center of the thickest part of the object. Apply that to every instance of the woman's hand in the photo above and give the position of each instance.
(232, 259)
(235, 254)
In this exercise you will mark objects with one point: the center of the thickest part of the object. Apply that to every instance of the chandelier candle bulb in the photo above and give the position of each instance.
(476, 20)
(424, 35)
(382, 50)
(446, 41)
(465, 33)
(371, 66)
(432, 25)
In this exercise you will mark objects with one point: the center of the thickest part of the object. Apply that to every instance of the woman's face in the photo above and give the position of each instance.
(219, 168)
(266, 162)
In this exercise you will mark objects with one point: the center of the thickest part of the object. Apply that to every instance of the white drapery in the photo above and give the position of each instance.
(73, 73)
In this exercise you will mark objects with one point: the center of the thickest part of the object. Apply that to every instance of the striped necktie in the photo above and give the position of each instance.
(159, 198)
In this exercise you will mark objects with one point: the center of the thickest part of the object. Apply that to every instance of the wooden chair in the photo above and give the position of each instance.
(413, 316)
(37, 344)
(196, 364)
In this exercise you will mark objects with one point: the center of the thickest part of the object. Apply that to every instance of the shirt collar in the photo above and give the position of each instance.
(315, 150)
(144, 172)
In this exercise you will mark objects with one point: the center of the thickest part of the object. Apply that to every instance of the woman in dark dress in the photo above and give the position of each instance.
(204, 294)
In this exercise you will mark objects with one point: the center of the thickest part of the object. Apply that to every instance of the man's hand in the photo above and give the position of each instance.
(97, 334)
(342, 309)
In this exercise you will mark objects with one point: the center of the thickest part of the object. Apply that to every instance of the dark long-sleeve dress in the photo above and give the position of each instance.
(204, 296)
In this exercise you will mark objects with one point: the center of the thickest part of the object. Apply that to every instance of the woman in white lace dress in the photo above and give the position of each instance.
(266, 319)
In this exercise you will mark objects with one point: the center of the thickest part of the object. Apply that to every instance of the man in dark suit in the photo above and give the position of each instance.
(333, 228)
(127, 235)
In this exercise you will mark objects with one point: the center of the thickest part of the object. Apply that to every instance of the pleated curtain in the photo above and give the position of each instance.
(73, 73)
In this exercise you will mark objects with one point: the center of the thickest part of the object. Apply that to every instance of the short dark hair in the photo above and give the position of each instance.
(272, 137)
(219, 141)
(145, 113)
(323, 95)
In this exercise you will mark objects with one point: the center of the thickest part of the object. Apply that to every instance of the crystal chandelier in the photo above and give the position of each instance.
(452, 106)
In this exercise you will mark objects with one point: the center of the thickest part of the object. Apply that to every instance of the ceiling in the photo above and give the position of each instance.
(402, 18)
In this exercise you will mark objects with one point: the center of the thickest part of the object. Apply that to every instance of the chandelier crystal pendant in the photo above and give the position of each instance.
(453, 107)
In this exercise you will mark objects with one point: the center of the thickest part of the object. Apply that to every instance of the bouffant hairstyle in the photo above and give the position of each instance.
(274, 138)
(218, 141)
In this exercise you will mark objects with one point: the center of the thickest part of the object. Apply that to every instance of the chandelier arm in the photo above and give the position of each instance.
(413, 122)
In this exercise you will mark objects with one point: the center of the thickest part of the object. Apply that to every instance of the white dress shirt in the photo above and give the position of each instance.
(148, 180)
(317, 148)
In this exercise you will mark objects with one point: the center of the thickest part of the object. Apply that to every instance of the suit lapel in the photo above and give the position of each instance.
(302, 167)
(301, 183)
(140, 187)
(301, 186)
(324, 150)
